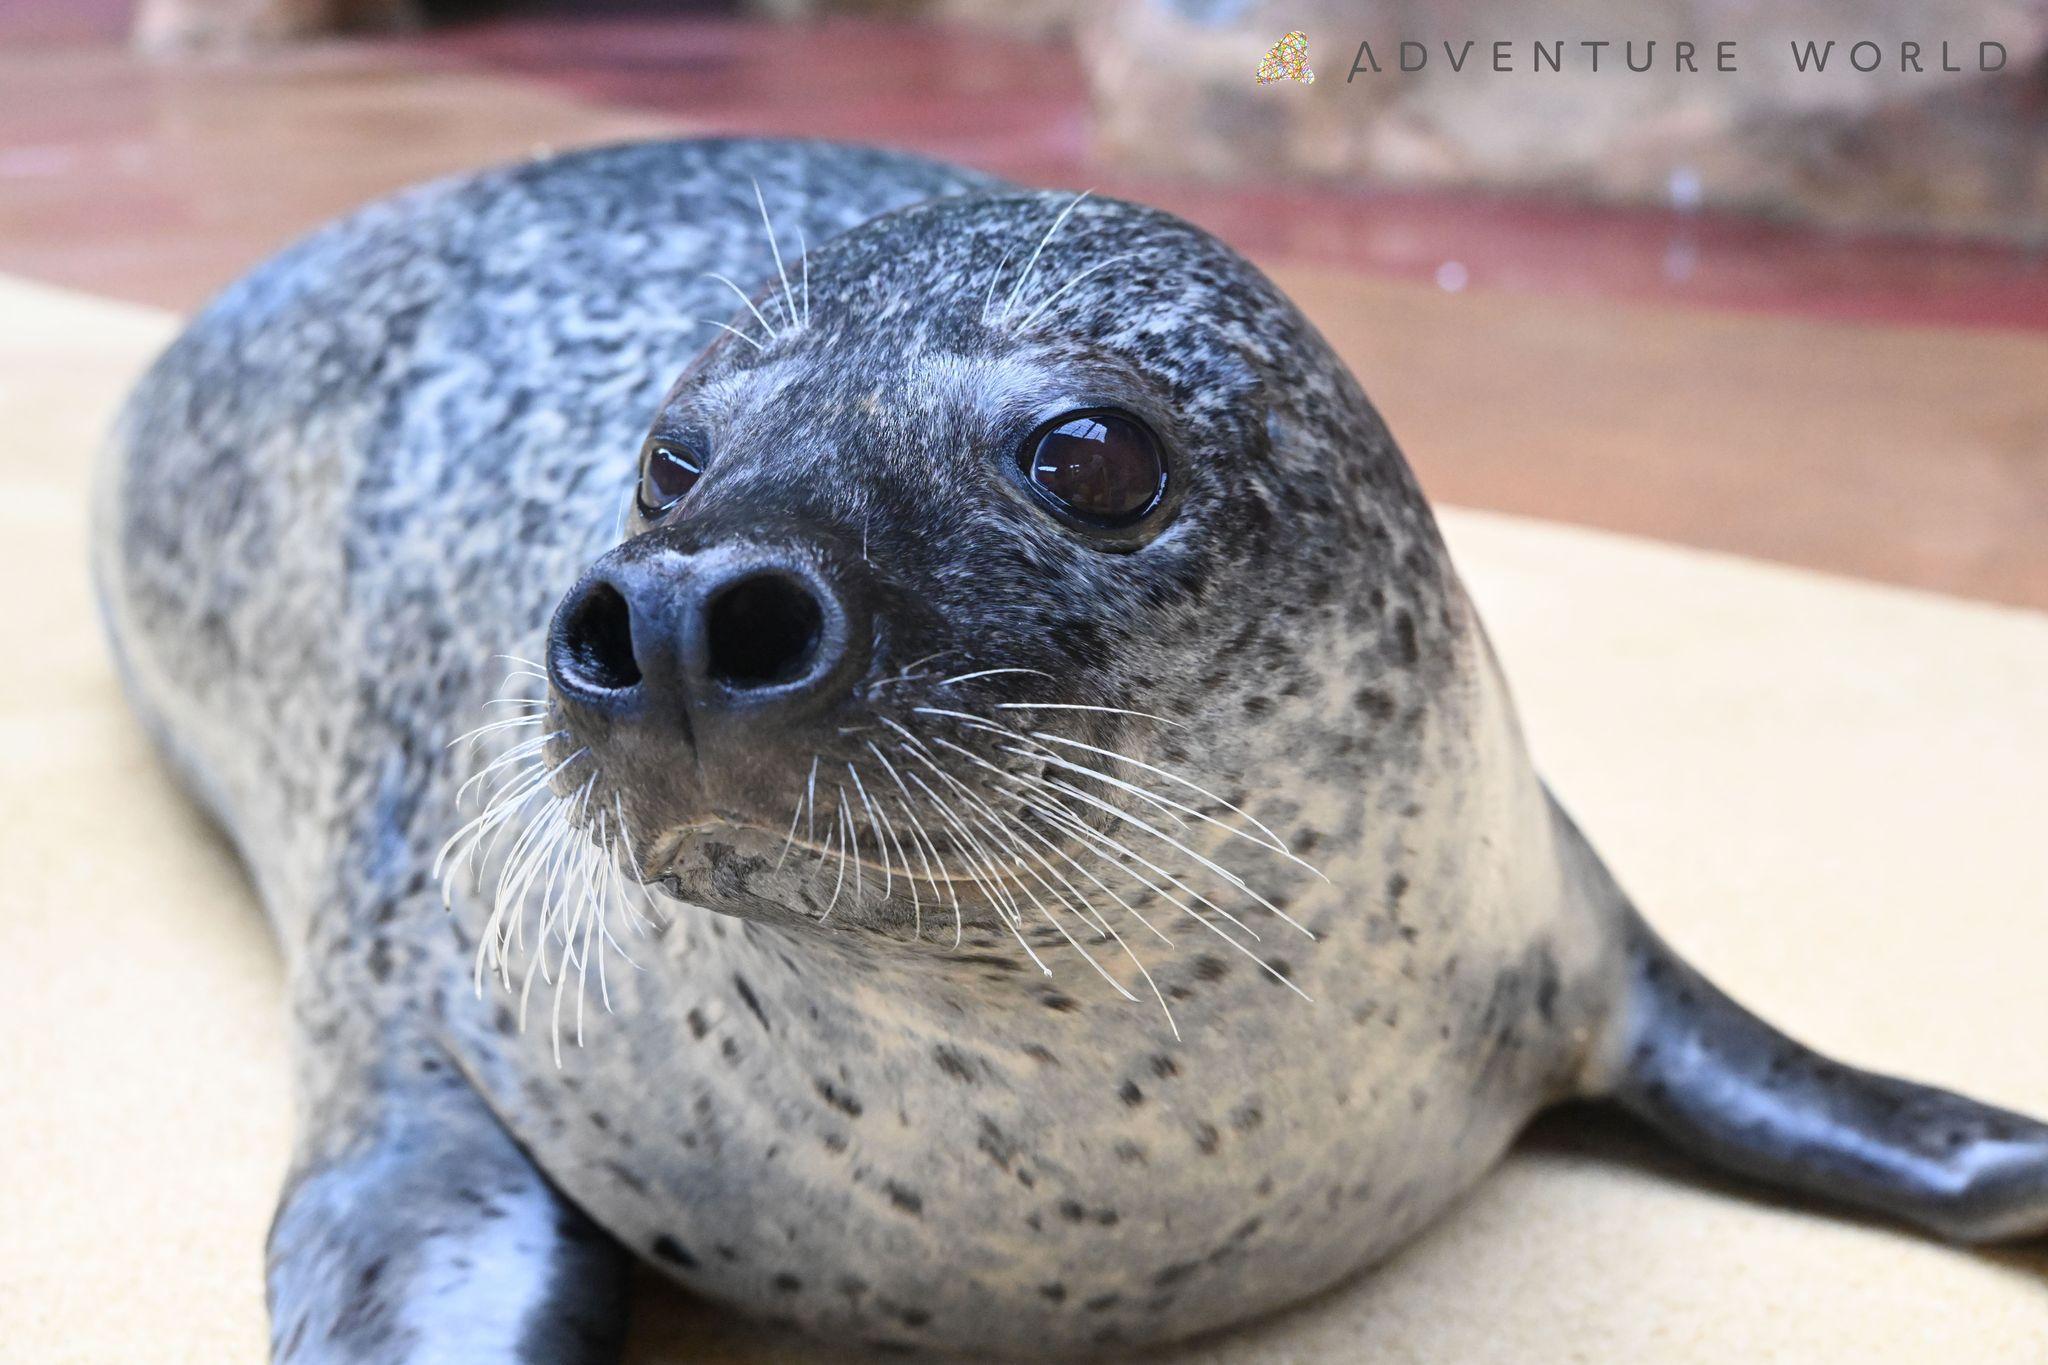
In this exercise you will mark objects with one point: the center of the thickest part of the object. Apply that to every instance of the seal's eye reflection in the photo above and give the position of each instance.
(1101, 468)
(668, 471)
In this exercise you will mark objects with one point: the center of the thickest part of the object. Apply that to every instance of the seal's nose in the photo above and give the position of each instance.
(699, 640)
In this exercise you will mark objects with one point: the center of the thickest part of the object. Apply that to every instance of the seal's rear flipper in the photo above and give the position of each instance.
(1732, 1090)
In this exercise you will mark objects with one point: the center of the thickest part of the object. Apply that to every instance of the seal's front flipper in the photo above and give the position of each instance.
(415, 1231)
(1734, 1091)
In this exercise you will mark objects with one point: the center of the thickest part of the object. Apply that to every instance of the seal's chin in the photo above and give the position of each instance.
(844, 876)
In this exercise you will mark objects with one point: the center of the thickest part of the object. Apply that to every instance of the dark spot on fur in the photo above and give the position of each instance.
(1376, 704)
(747, 997)
(1130, 1094)
(953, 1063)
(672, 1251)
(838, 1099)
(1404, 637)
(786, 1283)
(1164, 1067)
(909, 1201)
(1209, 967)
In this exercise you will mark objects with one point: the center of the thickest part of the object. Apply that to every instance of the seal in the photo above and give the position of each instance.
(1008, 700)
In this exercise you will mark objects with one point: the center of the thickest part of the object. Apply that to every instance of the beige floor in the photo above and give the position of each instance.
(1831, 794)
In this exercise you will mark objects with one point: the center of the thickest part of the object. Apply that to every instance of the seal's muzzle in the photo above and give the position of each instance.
(704, 654)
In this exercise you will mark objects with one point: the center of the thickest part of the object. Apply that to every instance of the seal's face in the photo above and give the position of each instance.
(944, 596)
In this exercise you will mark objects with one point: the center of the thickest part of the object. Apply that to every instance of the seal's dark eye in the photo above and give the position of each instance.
(668, 471)
(1103, 468)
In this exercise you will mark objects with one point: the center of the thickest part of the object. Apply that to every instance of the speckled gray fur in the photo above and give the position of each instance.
(381, 460)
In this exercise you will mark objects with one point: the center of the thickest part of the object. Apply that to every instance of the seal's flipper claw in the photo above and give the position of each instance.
(1734, 1091)
(413, 1229)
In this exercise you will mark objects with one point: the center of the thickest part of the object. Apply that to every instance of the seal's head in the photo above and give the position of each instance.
(976, 568)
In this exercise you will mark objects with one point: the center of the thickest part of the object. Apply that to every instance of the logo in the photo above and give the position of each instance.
(1287, 60)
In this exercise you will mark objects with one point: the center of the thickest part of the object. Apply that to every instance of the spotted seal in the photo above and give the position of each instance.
(1082, 877)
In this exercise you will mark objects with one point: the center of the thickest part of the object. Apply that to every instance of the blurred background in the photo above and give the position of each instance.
(1796, 315)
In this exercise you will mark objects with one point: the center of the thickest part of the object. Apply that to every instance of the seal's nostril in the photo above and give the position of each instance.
(594, 643)
(763, 631)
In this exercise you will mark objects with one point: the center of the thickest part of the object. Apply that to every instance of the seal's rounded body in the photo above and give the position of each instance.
(1034, 1030)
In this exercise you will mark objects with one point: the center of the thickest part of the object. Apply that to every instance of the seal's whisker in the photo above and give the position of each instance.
(626, 501)
(1073, 896)
(485, 848)
(1169, 808)
(1103, 921)
(522, 863)
(622, 885)
(1107, 890)
(1093, 837)
(916, 901)
(821, 854)
(476, 735)
(911, 673)
(991, 673)
(788, 299)
(995, 277)
(1211, 864)
(803, 249)
(811, 804)
(992, 880)
(728, 327)
(1165, 805)
(1024, 276)
(969, 850)
(759, 316)
(1054, 297)
(838, 882)
(853, 840)
(633, 861)
(919, 831)
(1003, 828)
(508, 799)
(521, 752)
(874, 828)
(1045, 912)
(789, 841)
(979, 761)
(561, 883)
(1062, 817)
(531, 703)
(1272, 840)
(1077, 706)
(469, 842)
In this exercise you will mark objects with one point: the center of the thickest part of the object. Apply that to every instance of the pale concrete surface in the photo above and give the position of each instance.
(1831, 794)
